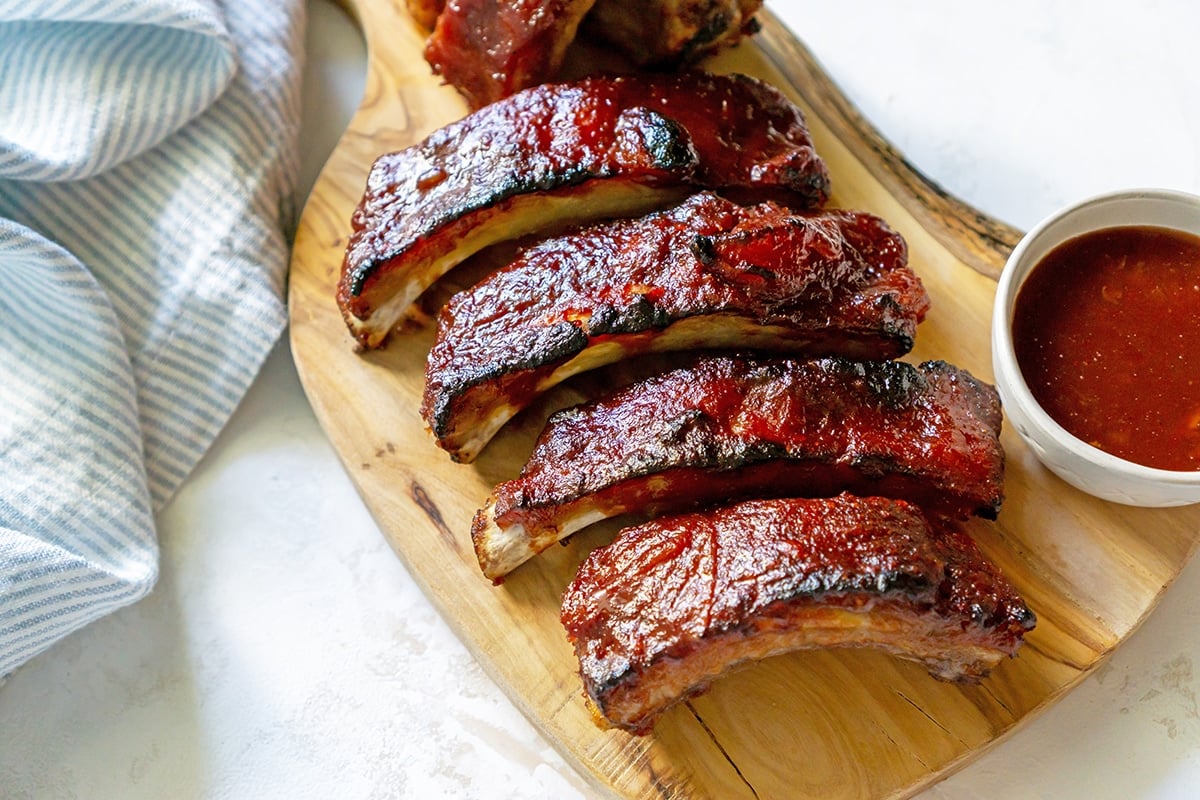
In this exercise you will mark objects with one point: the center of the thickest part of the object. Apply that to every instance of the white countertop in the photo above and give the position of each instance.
(286, 653)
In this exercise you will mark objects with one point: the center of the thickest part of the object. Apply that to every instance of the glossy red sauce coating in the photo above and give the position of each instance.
(728, 427)
(833, 282)
(1106, 330)
(661, 590)
(488, 50)
(665, 131)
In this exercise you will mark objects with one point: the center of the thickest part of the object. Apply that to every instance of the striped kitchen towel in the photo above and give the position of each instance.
(148, 158)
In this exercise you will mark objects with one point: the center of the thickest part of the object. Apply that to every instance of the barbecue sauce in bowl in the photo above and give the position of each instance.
(1106, 331)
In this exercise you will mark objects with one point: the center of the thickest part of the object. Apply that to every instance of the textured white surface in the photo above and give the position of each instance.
(287, 654)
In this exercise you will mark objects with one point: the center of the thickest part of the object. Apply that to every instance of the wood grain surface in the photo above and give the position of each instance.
(835, 724)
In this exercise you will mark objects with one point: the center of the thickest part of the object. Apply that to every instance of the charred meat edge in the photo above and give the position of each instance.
(671, 605)
(732, 427)
(708, 273)
(558, 154)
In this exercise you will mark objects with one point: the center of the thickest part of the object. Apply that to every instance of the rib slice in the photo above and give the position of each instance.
(489, 50)
(670, 605)
(706, 274)
(563, 154)
(729, 428)
(665, 34)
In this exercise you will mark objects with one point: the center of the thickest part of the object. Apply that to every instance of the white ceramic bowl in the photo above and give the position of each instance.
(1075, 461)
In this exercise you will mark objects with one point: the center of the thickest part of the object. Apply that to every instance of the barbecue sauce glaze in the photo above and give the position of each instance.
(1106, 330)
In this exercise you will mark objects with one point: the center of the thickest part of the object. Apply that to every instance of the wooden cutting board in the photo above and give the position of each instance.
(838, 724)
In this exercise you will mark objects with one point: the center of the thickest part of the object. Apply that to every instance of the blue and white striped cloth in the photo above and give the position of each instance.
(148, 158)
